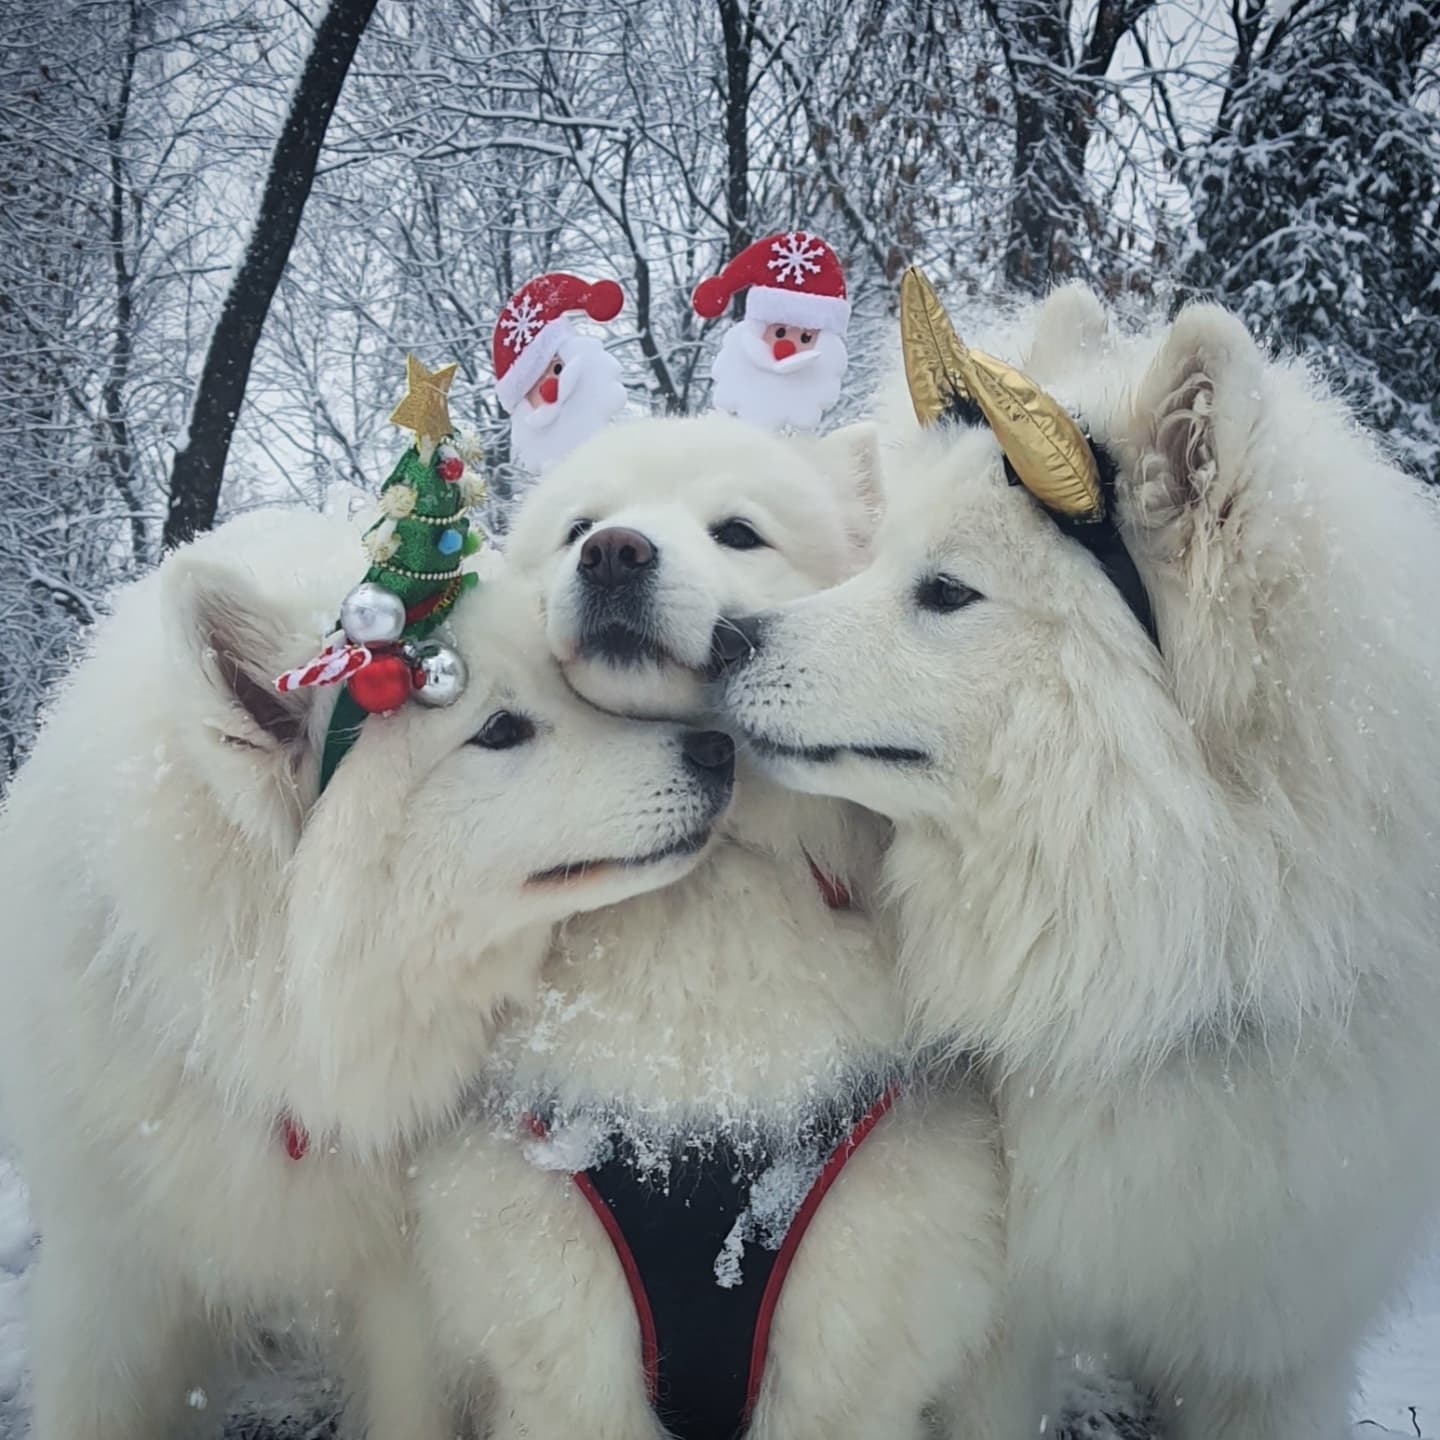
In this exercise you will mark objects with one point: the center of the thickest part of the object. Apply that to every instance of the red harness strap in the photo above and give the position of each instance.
(295, 1136)
(649, 1347)
(649, 1343)
(833, 890)
(839, 1157)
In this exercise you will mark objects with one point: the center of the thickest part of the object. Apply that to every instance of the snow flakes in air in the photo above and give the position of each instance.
(797, 255)
(521, 322)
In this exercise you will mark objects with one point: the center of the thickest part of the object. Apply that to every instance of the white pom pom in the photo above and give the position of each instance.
(469, 448)
(382, 542)
(398, 502)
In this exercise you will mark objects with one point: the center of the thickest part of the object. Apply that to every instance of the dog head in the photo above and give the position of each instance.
(442, 800)
(912, 673)
(404, 908)
(1074, 791)
(652, 531)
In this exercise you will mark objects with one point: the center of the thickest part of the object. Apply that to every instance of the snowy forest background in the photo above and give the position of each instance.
(1283, 157)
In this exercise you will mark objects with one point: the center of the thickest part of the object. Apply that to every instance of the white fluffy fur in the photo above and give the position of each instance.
(732, 996)
(1185, 904)
(195, 946)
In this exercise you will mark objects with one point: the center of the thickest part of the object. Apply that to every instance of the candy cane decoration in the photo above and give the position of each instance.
(332, 665)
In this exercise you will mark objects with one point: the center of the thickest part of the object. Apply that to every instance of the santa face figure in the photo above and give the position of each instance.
(580, 391)
(779, 376)
(557, 385)
(787, 340)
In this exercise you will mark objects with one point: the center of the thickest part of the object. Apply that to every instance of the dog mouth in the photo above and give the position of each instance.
(575, 871)
(626, 646)
(906, 755)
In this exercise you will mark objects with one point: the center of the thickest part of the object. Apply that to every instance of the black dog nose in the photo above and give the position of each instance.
(614, 557)
(733, 642)
(710, 755)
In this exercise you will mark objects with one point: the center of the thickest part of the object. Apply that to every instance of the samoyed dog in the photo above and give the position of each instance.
(655, 1235)
(1179, 896)
(231, 1011)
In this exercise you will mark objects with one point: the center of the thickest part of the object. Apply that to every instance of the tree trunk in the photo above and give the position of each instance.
(200, 462)
(1055, 98)
(738, 29)
(119, 451)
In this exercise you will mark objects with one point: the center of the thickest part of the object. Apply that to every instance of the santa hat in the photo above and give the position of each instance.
(794, 278)
(532, 327)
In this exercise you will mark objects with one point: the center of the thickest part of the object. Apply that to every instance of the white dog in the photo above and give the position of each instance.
(736, 1018)
(201, 963)
(1183, 898)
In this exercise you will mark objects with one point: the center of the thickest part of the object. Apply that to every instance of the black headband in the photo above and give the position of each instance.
(1100, 536)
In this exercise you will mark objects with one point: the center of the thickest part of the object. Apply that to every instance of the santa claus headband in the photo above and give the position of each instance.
(532, 327)
(794, 278)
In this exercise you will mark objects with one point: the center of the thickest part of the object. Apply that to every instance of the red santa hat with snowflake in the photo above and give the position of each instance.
(782, 366)
(794, 278)
(557, 385)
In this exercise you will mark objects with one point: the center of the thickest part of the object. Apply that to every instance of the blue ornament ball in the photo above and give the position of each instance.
(450, 542)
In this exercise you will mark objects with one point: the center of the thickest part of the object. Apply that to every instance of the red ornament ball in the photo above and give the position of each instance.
(383, 685)
(451, 468)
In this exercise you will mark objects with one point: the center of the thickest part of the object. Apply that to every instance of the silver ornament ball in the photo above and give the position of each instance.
(371, 615)
(444, 677)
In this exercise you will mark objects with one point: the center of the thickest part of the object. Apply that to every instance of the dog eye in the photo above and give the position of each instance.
(737, 535)
(944, 594)
(503, 731)
(579, 528)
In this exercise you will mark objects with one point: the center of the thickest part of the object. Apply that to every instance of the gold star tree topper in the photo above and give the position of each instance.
(424, 409)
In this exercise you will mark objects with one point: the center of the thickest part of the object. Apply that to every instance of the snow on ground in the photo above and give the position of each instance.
(15, 1250)
(1400, 1374)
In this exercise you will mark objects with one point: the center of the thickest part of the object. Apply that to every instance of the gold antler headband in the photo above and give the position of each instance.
(1045, 447)
(1046, 450)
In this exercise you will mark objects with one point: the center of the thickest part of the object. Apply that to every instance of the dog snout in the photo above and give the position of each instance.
(615, 557)
(710, 755)
(733, 642)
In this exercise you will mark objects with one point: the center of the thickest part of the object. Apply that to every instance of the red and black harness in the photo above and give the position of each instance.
(703, 1341)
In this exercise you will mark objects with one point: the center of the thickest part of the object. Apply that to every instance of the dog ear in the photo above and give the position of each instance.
(1069, 323)
(1194, 420)
(224, 631)
(850, 456)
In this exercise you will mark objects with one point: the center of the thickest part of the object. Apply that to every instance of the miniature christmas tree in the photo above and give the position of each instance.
(386, 654)
(424, 532)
